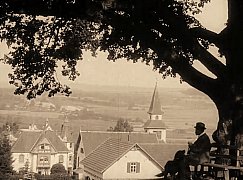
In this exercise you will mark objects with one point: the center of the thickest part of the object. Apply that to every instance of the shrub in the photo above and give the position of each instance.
(58, 169)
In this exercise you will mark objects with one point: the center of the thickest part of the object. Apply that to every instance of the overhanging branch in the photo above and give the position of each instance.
(206, 34)
(189, 39)
(179, 63)
(209, 61)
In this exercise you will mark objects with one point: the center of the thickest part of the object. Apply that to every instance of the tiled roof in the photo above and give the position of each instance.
(71, 137)
(154, 124)
(163, 152)
(155, 106)
(25, 141)
(55, 141)
(91, 139)
(28, 139)
(66, 131)
(108, 153)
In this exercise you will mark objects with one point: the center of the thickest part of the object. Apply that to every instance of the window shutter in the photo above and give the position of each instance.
(128, 167)
(137, 167)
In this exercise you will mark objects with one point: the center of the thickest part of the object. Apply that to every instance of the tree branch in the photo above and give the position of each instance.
(206, 34)
(188, 73)
(179, 63)
(194, 77)
(189, 38)
(209, 61)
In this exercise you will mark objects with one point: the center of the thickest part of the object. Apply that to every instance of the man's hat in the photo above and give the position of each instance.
(200, 125)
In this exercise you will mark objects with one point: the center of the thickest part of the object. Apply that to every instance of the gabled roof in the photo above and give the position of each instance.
(25, 141)
(55, 141)
(156, 124)
(163, 152)
(108, 153)
(29, 139)
(155, 106)
(66, 132)
(92, 139)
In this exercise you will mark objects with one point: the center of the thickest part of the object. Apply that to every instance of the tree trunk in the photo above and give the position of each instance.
(234, 55)
(230, 125)
(230, 90)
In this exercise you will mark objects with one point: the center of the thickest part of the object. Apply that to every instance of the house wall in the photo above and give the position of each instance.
(162, 131)
(33, 161)
(16, 164)
(148, 168)
(55, 159)
(80, 155)
(71, 153)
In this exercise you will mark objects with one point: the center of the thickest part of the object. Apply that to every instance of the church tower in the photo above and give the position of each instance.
(67, 137)
(65, 129)
(155, 122)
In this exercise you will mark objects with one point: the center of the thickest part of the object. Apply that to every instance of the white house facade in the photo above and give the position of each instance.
(115, 159)
(135, 164)
(38, 150)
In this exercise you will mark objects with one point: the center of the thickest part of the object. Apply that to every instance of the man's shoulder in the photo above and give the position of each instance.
(204, 136)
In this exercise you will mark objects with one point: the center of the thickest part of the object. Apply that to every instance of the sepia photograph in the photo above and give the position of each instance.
(121, 90)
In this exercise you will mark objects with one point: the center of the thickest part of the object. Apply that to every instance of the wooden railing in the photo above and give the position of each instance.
(227, 165)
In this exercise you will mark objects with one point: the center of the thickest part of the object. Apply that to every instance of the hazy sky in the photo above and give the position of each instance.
(121, 73)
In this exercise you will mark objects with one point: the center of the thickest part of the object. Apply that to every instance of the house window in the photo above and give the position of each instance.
(82, 150)
(47, 146)
(61, 159)
(44, 160)
(41, 160)
(70, 158)
(133, 167)
(156, 117)
(21, 158)
(42, 146)
(158, 134)
(71, 145)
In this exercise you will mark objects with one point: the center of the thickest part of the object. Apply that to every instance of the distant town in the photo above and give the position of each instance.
(103, 136)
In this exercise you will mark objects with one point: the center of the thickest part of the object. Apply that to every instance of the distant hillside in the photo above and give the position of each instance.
(98, 107)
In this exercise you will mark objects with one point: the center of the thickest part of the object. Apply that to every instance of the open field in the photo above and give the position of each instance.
(103, 106)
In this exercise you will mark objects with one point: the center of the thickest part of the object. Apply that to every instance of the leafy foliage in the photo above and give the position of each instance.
(122, 125)
(6, 168)
(152, 31)
(58, 169)
(9, 127)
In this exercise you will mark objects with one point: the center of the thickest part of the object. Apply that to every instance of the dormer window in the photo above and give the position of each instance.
(44, 147)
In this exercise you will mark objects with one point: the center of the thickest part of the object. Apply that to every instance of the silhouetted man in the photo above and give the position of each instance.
(198, 152)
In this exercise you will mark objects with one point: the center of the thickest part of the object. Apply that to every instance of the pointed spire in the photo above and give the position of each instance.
(65, 129)
(155, 106)
(66, 121)
(47, 125)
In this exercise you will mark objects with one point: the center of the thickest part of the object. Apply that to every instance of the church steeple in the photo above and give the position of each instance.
(47, 126)
(155, 106)
(65, 129)
(155, 123)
